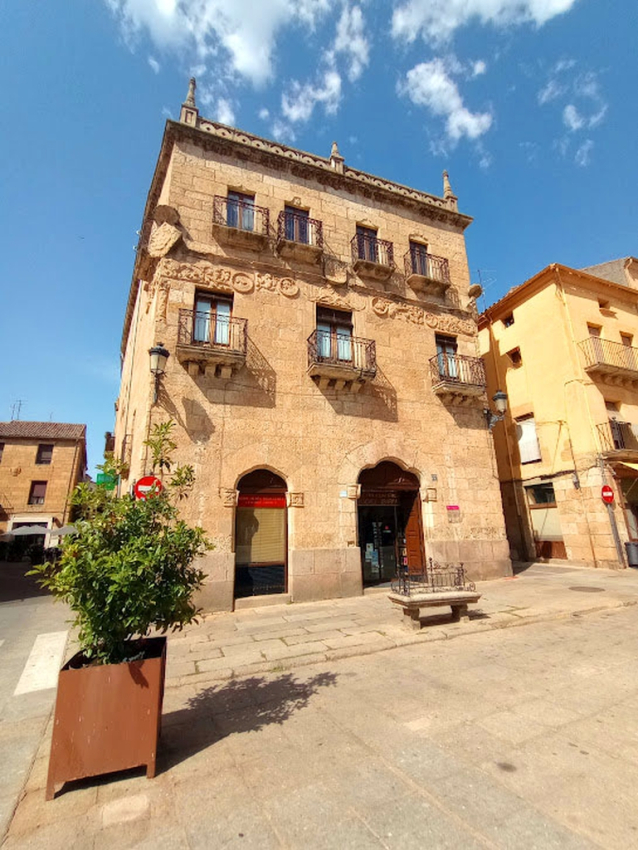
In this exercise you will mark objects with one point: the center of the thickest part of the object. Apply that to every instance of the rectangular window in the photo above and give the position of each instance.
(211, 323)
(508, 321)
(1, 451)
(446, 348)
(334, 335)
(612, 406)
(296, 224)
(515, 357)
(419, 258)
(367, 244)
(541, 494)
(37, 493)
(240, 211)
(44, 454)
(528, 446)
(603, 304)
(627, 339)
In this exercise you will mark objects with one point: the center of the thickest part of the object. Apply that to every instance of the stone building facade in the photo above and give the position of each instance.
(40, 464)
(562, 346)
(323, 374)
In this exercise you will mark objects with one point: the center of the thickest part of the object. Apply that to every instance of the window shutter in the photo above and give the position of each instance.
(261, 535)
(528, 446)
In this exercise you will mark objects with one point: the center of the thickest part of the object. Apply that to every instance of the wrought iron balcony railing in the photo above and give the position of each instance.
(347, 353)
(206, 330)
(372, 250)
(418, 262)
(618, 436)
(295, 227)
(241, 215)
(604, 355)
(457, 369)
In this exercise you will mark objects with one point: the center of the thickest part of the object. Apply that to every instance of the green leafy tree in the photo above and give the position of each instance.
(130, 568)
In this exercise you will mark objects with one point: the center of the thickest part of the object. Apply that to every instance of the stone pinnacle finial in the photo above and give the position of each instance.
(190, 97)
(336, 160)
(447, 187)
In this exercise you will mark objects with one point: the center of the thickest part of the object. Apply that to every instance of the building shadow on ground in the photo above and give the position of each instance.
(232, 708)
(16, 585)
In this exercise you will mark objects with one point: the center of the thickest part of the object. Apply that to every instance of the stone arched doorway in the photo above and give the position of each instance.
(261, 535)
(390, 526)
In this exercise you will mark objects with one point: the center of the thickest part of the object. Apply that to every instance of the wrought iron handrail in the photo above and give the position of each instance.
(427, 265)
(332, 349)
(206, 329)
(372, 249)
(605, 352)
(432, 577)
(615, 435)
(241, 215)
(457, 368)
(296, 227)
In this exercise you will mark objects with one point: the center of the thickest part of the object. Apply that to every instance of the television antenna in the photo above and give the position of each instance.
(16, 408)
(486, 281)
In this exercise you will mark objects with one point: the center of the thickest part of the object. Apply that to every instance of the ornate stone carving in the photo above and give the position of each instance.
(227, 280)
(354, 491)
(295, 500)
(327, 296)
(418, 316)
(162, 240)
(229, 497)
(162, 298)
(284, 285)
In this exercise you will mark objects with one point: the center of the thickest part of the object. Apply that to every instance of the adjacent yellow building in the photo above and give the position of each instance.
(562, 346)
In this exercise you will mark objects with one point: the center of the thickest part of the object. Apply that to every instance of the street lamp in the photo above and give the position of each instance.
(159, 355)
(500, 403)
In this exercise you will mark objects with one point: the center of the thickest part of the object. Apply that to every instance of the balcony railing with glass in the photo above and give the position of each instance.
(616, 436)
(240, 221)
(299, 236)
(372, 257)
(208, 340)
(346, 360)
(605, 357)
(426, 272)
(457, 375)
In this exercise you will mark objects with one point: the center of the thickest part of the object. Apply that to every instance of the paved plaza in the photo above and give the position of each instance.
(335, 725)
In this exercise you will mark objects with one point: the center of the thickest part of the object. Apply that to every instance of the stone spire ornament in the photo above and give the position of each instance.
(189, 112)
(448, 194)
(336, 160)
(190, 97)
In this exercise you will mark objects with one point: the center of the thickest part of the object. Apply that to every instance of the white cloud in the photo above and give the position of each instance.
(479, 67)
(550, 91)
(166, 112)
(572, 118)
(225, 113)
(264, 114)
(155, 65)
(298, 104)
(351, 41)
(438, 19)
(244, 31)
(283, 132)
(583, 154)
(429, 84)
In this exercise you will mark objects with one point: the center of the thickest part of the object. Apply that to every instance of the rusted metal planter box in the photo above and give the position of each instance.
(107, 717)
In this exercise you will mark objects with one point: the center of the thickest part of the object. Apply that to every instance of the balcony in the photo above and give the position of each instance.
(372, 257)
(299, 237)
(614, 361)
(426, 273)
(214, 345)
(240, 223)
(618, 440)
(457, 379)
(341, 362)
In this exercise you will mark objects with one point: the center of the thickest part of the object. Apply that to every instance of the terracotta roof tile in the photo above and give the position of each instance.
(42, 430)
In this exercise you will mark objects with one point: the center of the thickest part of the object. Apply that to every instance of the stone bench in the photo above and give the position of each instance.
(417, 605)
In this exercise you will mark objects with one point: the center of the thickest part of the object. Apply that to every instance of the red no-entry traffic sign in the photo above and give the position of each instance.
(149, 484)
(607, 494)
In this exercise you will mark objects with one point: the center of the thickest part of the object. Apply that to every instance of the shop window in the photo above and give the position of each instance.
(528, 446)
(508, 321)
(515, 357)
(44, 454)
(334, 334)
(38, 492)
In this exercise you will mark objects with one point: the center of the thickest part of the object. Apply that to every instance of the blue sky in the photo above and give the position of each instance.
(530, 105)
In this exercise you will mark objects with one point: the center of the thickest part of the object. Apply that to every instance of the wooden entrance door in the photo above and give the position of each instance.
(413, 533)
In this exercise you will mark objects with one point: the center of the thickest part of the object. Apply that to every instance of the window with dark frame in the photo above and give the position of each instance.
(508, 321)
(515, 357)
(37, 492)
(44, 455)
(367, 244)
(446, 353)
(296, 225)
(419, 258)
(334, 335)
(240, 210)
(212, 319)
(541, 495)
